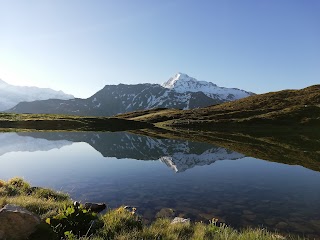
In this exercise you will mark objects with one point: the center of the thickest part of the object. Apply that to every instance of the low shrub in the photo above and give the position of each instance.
(74, 222)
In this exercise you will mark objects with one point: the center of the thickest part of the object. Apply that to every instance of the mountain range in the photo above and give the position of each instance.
(11, 95)
(179, 92)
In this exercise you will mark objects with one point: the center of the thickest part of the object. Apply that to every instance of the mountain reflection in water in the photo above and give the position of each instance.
(242, 192)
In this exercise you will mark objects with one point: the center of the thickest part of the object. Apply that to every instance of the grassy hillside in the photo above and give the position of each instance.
(284, 108)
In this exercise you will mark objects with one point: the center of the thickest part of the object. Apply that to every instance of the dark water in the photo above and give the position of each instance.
(197, 180)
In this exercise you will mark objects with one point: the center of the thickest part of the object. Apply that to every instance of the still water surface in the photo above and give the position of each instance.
(197, 180)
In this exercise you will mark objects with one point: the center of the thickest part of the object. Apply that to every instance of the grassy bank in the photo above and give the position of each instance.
(61, 219)
(56, 122)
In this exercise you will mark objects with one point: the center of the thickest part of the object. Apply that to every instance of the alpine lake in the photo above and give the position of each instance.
(171, 177)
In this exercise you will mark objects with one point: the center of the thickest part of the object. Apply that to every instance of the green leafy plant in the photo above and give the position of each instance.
(74, 221)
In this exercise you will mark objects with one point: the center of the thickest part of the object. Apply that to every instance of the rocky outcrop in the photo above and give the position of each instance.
(17, 222)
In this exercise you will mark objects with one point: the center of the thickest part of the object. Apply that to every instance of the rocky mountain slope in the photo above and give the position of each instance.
(179, 92)
(11, 95)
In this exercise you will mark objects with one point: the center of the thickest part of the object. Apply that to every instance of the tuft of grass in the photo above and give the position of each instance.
(119, 221)
(42, 201)
(41, 206)
(49, 194)
(16, 186)
(3, 201)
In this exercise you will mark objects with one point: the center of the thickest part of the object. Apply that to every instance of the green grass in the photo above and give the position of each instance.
(162, 229)
(120, 223)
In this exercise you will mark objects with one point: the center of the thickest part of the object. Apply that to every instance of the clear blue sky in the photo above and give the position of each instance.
(79, 46)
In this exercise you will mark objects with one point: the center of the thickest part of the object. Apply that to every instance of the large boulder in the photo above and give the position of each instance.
(17, 222)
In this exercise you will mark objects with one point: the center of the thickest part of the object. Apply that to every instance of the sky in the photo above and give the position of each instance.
(79, 46)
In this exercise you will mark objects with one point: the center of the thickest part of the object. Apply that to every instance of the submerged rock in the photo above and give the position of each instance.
(166, 213)
(270, 221)
(17, 222)
(95, 207)
(282, 225)
(249, 217)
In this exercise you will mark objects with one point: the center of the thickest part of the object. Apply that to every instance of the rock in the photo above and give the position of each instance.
(165, 213)
(180, 220)
(301, 227)
(210, 217)
(270, 221)
(281, 225)
(95, 207)
(238, 206)
(207, 216)
(247, 212)
(316, 223)
(215, 211)
(130, 209)
(148, 214)
(249, 217)
(17, 222)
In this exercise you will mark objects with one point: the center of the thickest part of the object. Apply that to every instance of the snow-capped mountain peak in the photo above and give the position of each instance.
(181, 82)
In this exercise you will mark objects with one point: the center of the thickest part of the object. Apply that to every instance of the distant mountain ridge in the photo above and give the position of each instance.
(11, 95)
(179, 92)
